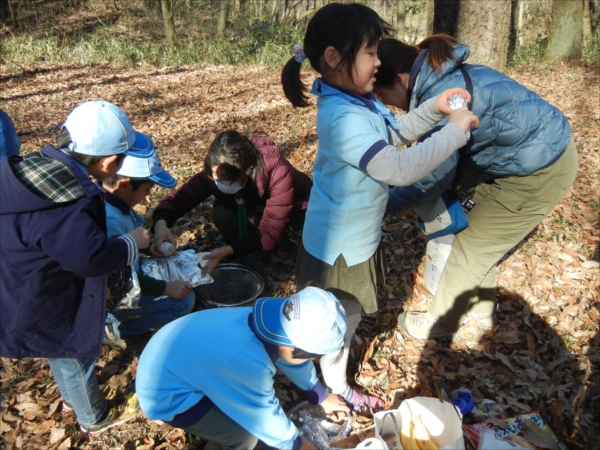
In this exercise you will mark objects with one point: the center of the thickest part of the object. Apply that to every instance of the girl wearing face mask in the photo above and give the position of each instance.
(257, 195)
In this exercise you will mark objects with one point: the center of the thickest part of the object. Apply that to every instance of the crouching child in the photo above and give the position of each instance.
(160, 301)
(211, 372)
(55, 255)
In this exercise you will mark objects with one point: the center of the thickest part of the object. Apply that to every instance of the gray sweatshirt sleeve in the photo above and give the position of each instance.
(417, 122)
(404, 167)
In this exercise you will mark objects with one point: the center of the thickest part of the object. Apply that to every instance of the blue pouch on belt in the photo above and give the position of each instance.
(444, 215)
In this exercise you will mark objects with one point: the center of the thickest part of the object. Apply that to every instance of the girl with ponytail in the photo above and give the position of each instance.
(523, 150)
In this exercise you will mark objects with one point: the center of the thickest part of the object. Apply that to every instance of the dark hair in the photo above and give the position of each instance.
(343, 27)
(397, 57)
(64, 139)
(235, 154)
(136, 182)
(298, 353)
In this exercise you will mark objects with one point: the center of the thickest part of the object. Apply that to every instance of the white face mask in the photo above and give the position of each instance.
(229, 188)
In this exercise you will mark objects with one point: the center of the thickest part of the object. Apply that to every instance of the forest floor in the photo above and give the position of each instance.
(543, 355)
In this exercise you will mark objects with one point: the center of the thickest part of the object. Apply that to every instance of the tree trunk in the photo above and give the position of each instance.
(483, 25)
(400, 18)
(594, 9)
(566, 31)
(169, 23)
(430, 16)
(6, 11)
(223, 13)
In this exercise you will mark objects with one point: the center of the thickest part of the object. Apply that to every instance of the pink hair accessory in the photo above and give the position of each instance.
(300, 56)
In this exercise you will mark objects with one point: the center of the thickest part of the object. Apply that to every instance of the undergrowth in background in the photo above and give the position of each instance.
(91, 33)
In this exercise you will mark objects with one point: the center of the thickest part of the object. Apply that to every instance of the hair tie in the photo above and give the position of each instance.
(300, 56)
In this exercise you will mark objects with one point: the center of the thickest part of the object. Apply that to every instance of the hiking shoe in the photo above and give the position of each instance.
(116, 416)
(362, 402)
(111, 339)
(421, 325)
(66, 406)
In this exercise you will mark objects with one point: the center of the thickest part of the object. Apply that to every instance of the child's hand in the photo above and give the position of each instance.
(141, 236)
(334, 403)
(463, 118)
(161, 234)
(441, 103)
(215, 257)
(178, 289)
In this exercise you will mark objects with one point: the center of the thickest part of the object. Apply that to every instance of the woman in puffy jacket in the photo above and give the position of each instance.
(522, 149)
(257, 195)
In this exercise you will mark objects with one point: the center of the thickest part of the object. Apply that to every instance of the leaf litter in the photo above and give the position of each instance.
(542, 355)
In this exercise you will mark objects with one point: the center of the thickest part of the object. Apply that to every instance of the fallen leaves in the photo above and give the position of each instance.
(543, 353)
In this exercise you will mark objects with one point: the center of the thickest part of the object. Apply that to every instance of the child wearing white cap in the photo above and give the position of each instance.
(160, 302)
(57, 255)
(211, 372)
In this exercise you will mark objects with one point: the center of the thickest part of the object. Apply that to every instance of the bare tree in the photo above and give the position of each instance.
(167, 14)
(430, 9)
(566, 31)
(223, 13)
(6, 10)
(400, 18)
(594, 10)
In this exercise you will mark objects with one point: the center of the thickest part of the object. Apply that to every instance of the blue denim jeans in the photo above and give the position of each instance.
(78, 384)
(153, 313)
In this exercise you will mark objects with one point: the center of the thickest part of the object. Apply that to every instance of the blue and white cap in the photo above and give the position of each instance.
(312, 320)
(99, 128)
(147, 167)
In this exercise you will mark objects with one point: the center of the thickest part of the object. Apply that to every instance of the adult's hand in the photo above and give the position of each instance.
(162, 233)
(441, 103)
(215, 257)
(178, 289)
(463, 118)
(334, 403)
(141, 236)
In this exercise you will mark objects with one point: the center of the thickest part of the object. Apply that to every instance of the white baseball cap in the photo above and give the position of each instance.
(312, 320)
(100, 128)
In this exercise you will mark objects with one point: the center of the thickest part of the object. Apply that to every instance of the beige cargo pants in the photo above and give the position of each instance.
(505, 212)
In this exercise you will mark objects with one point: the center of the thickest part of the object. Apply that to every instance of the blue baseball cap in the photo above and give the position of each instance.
(147, 167)
(99, 128)
(312, 320)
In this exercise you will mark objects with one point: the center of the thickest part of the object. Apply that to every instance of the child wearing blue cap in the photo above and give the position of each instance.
(56, 255)
(160, 301)
(221, 389)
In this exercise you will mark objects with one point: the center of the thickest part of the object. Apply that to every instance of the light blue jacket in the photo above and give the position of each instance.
(346, 205)
(215, 353)
(518, 134)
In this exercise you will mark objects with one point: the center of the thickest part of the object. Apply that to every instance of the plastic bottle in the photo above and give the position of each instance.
(167, 248)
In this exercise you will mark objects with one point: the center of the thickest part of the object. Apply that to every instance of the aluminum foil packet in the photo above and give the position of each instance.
(182, 266)
(458, 101)
(321, 432)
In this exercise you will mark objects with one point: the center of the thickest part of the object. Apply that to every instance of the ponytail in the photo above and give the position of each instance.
(440, 49)
(397, 57)
(345, 27)
(293, 87)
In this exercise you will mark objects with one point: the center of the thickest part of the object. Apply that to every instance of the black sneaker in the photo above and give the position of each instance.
(111, 339)
(116, 416)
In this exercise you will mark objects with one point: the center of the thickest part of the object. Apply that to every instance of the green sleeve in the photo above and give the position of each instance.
(151, 286)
